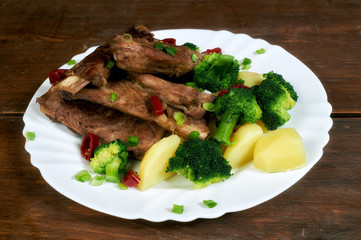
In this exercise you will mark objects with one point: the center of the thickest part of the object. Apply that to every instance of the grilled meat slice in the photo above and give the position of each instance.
(138, 55)
(107, 123)
(135, 100)
(93, 68)
(179, 96)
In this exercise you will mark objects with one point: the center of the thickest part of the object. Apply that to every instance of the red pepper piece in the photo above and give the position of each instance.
(57, 76)
(89, 143)
(157, 104)
(234, 86)
(169, 41)
(214, 50)
(131, 179)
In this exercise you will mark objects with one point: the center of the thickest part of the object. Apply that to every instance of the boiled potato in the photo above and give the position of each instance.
(155, 161)
(241, 151)
(279, 150)
(261, 124)
(250, 78)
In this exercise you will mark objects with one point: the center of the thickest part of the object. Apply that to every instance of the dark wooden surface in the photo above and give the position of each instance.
(39, 36)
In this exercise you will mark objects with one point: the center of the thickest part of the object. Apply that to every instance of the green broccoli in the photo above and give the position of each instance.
(238, 106)
(216, 72)
(110, 158)
(201, 162)
(275, 97)
(191, 46)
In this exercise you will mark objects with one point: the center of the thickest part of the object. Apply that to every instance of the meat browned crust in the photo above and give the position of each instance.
(108, 124)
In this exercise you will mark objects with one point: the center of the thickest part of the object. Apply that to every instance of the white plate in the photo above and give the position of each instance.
(55, 150)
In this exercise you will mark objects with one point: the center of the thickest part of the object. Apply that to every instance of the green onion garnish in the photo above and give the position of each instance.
(194, 57)
(111, 41)
(110, 64)
(83, 176)
(133, 141)
(194, 135)
(246, 64)
(209, 203)
(97, 180)
(122, 186)
(71, 62)
(127, 37)
(179, 117)
(177, 208)
(208, 106)
(30, 136)
(113, 96)
(168, 50)
(260, 51)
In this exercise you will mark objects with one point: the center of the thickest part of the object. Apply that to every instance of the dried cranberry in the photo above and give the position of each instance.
(169, 41)
(89, 143)
(57, 76)
(131, 179)
(214, 50)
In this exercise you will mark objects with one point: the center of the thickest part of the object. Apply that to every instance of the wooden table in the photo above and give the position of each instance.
(39, 36)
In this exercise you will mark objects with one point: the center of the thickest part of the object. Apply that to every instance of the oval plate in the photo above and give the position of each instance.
(55, 150)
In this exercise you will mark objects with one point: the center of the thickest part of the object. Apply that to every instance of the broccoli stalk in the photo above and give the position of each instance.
(110, 158)
(216, 72)
(238, 106)
(201, 162)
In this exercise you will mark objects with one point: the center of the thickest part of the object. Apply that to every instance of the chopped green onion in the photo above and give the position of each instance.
(127, 37)
(110, 64)
(122, 186)
(158, 46)
(71, 62)
(246, 63)
(170, 50)
(30, 136)
(208, 106)
(111, 41)
(177, 208)
(97, 180)
(179, 117)
(260, 51)
(194, 57)
(133, 141)
(83, 176)
(113, 96)
(209, 203)
(194, 135)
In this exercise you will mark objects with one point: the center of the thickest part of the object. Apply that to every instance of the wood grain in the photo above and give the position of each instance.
(39, 36)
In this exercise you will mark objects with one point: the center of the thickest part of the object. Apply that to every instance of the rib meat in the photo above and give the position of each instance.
(135, 100)
(93, 68)
(141, 56)
(108, 124)
(179, 96)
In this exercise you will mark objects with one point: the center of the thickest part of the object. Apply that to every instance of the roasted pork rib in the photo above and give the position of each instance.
(108, 124)
(134, 99)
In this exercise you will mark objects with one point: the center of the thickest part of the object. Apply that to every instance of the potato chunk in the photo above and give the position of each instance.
(245, 139)
(250, 78)
(279, 150)
(155, 161)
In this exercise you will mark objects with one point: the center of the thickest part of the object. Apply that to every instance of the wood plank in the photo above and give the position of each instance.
(325, 204)
(324, 35)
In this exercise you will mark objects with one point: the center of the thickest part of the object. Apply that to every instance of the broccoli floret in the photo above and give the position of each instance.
(276, 97)
(191, 46)
(238, 106)
(110, 158)
(201, 162)
(216, 72)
